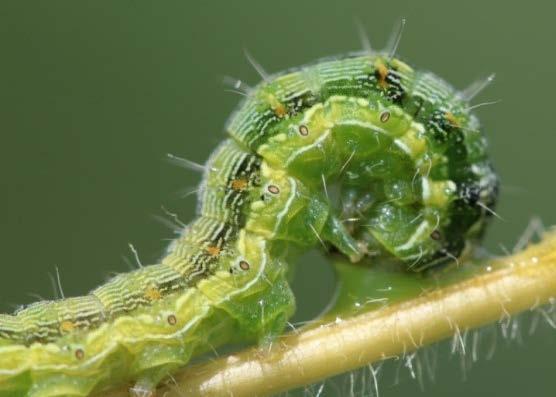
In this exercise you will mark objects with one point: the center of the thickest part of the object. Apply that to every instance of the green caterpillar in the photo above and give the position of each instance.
(362, 137)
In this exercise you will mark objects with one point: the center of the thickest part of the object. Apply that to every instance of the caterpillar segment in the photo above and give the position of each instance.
(360, 154)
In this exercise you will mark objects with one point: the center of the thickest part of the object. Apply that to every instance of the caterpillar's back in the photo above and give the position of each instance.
(361, 154)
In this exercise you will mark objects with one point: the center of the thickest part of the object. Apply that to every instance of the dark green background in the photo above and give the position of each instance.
(94, 93)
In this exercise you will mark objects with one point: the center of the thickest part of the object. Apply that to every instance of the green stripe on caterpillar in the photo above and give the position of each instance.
(410, 167)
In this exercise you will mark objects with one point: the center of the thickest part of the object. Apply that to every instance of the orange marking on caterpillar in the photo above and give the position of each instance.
(67, 326)
(152, 294)
(280, 110)
(213, 250)
(452, 119)
(382, 71)
(239, 184)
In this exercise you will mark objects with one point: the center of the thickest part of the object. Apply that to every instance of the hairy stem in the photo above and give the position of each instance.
(518, 282)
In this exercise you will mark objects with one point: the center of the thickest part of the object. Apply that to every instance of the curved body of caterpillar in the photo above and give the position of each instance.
(397, 148)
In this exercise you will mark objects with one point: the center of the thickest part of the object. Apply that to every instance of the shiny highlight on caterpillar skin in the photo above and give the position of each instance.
(400, 148)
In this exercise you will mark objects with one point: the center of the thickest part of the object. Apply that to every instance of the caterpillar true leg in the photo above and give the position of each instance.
(335, 232)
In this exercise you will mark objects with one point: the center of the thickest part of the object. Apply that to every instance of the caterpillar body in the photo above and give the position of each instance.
(409, 167)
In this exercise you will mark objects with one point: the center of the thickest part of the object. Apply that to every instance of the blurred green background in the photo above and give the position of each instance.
(93, 94)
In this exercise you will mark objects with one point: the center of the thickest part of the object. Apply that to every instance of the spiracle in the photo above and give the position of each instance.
(360, 154)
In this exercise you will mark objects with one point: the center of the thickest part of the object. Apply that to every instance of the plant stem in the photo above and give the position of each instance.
(518, 282)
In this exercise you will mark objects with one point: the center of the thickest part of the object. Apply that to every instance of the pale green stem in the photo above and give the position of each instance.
(519, 282)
